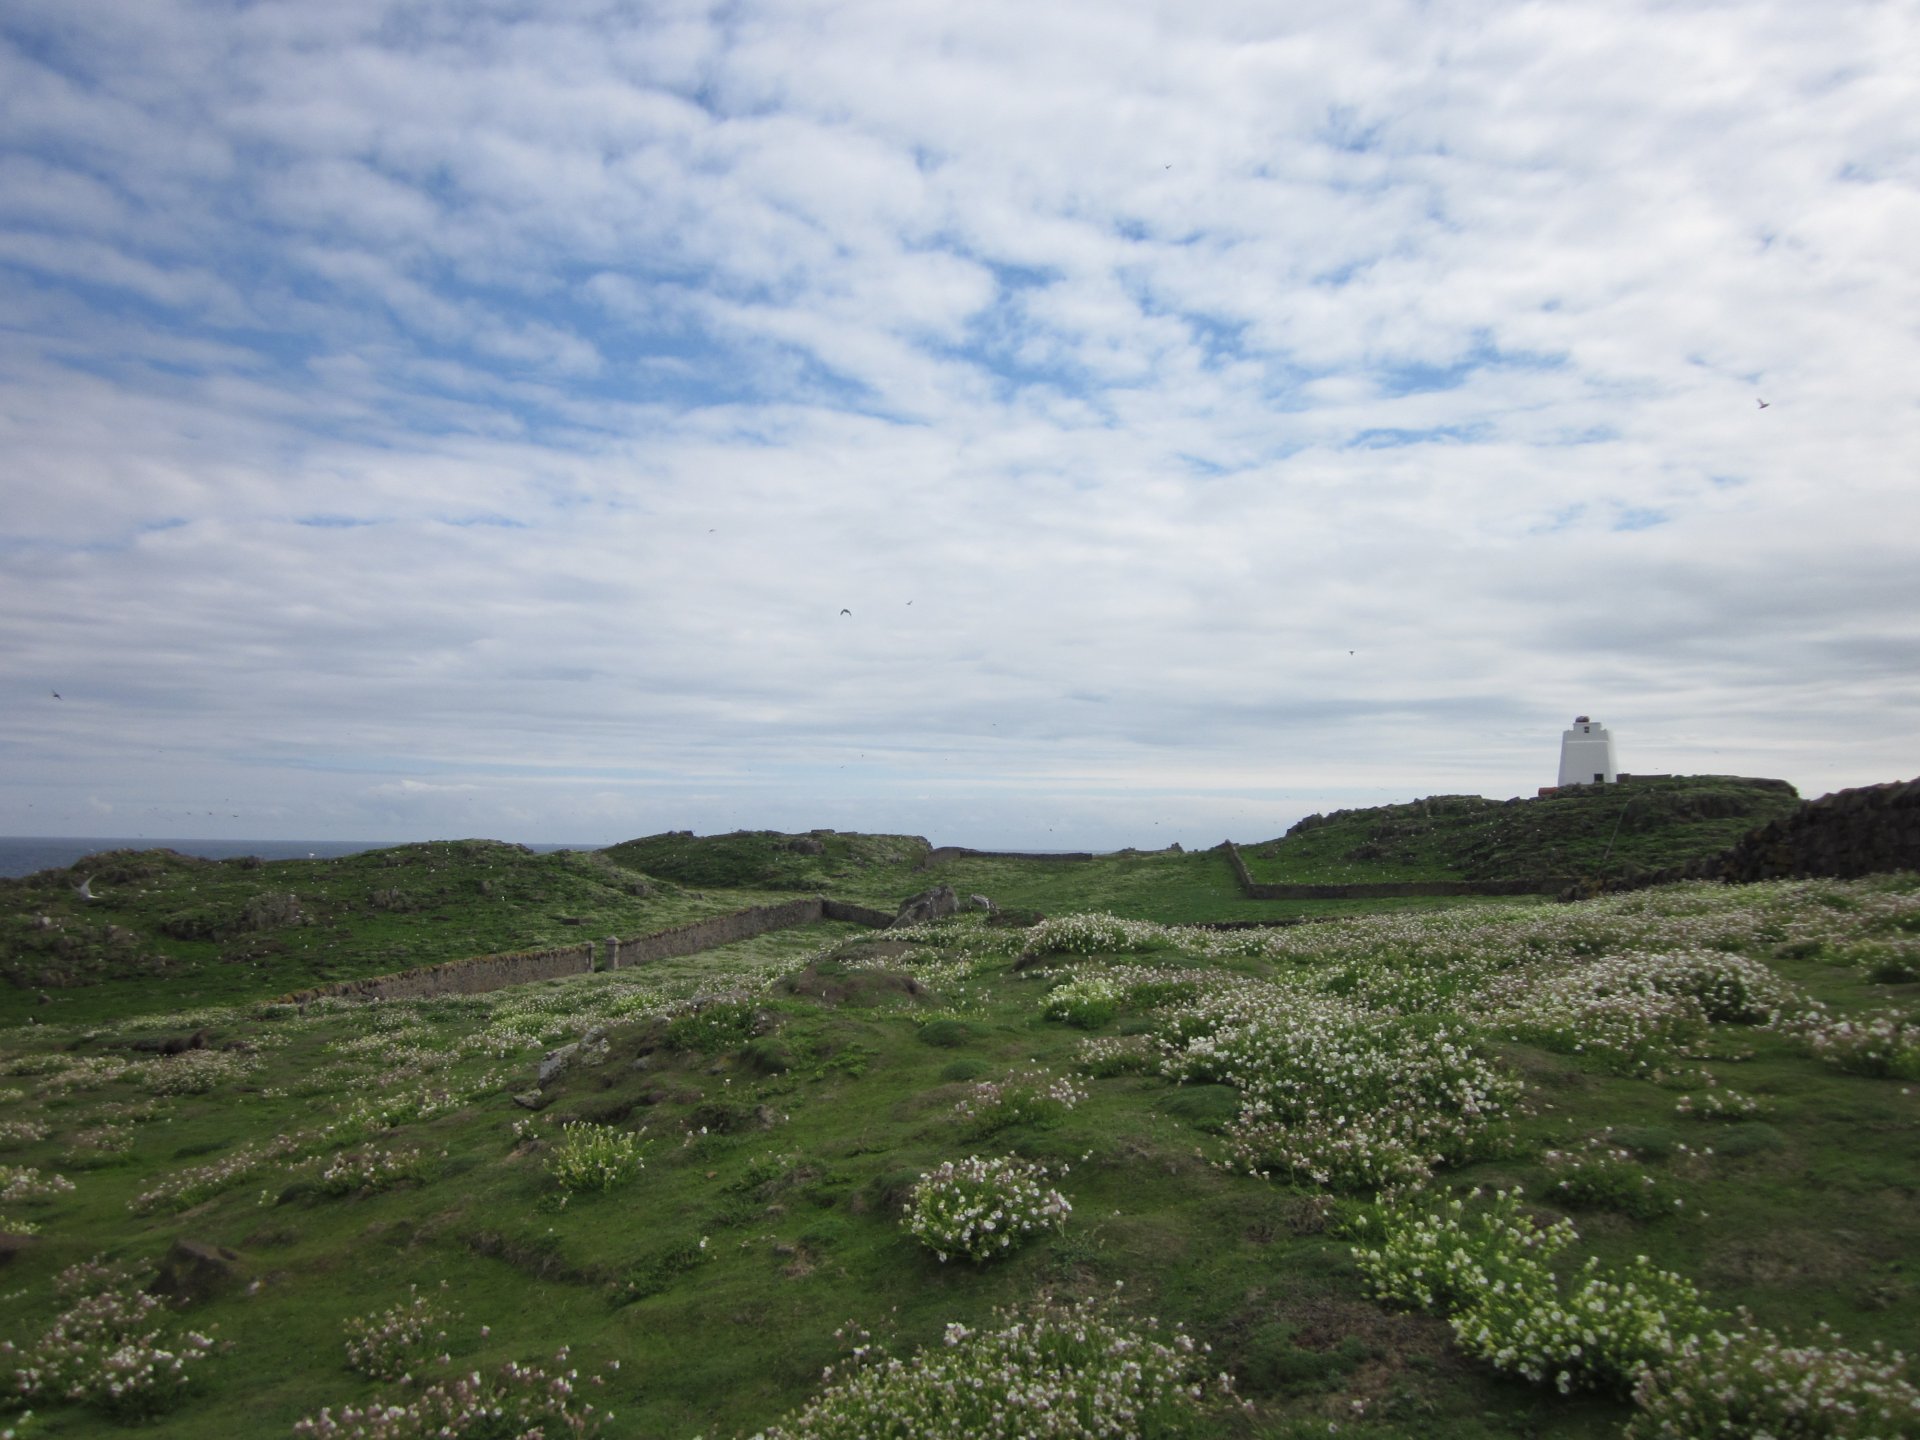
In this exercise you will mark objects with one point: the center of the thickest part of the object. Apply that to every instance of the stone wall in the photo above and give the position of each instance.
(943, 853)
(851, 914)
(1380, 889)
(480, 973)
(719, 930)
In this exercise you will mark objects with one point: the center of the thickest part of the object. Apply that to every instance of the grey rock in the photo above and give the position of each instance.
(194, 1271)
(934, 904)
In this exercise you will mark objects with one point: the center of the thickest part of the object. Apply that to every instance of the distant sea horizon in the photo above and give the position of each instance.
(29, 854)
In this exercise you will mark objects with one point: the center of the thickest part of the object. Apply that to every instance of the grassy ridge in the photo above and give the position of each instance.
(1583, 830)
(875, 869)
(207, 932)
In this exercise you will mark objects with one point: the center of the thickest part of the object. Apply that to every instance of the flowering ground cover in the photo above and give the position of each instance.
(1222, 1150)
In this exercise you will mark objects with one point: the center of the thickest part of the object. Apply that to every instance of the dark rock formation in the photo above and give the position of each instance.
(1850, 833)
(193, 1271)
(934, 904)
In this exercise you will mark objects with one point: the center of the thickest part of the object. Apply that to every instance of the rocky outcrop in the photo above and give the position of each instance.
(934, 904)
(193, 1272)
(1850, 833)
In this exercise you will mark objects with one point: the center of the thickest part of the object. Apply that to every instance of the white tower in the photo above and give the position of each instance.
(1586, 754)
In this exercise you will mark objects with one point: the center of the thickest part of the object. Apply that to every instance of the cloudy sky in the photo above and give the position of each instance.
(430, 419)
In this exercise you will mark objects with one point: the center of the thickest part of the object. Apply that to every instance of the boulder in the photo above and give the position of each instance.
(587, 1050)
(980, 902)
(193, 1271)
(934, 904)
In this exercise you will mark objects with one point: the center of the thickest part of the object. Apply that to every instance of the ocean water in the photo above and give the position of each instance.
(25, 854)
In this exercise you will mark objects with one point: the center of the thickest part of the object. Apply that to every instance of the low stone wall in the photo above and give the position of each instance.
(851, 914)
(943, 853)
(1869, 831)
(480, 973)
(1381, 889)
(719, 930)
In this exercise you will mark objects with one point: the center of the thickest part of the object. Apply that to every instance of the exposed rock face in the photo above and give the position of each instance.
(934, 904)
(806, 845)
(194, 1271)
(1847, 834)
(587, 1050)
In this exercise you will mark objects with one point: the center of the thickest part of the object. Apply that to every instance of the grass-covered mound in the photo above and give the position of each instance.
(1220, 1151)
(821, 861)
(1579, 831)
(231, 931)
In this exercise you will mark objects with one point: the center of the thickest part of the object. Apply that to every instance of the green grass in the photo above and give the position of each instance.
(199, 928)
(783, 1119)
(1584, 830)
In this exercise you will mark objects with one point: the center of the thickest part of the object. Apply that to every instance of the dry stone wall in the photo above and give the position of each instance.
(481, 973)
(943, 853)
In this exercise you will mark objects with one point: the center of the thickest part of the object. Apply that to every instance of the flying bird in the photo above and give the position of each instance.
(1762, 404)
(845, 611)
(56, 694)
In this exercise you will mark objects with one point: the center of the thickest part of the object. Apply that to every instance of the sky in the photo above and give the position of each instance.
(1082, 424)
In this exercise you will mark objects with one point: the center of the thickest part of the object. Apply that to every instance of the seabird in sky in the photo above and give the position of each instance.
(845, 611)
(1762, 404)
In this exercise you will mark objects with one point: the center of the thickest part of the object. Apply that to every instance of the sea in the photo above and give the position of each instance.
(28, 854)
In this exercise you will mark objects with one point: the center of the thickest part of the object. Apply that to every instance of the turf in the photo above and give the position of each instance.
(787, 1093)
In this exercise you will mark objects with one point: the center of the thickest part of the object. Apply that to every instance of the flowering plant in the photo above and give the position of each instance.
(112, 1348)
(1747, 1381)
(395, 1341)
(1031, 1097)
(371, 1169)
(982, 1208)
(1070, 1372)
(24, 1182)
(517, 1401)
(593, 1157)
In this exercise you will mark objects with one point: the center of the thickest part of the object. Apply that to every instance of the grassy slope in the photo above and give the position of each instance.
(185, 923)
(1585, 830)
(799, 1215)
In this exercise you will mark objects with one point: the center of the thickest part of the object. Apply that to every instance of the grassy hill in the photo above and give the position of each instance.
(1581, 830)
(874, 869)
(206, 932)
(783, 1098)
(698, 1176)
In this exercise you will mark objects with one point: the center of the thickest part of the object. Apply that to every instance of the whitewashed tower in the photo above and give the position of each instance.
(1586, 754)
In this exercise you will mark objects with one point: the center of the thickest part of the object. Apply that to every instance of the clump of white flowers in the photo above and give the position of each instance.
(396, 1341)
(1694, 1373)
(1727, 1385)
(114, 1347)
(594, 1157)
(1068, 1372)
(979, 1209)
(1029, 1097)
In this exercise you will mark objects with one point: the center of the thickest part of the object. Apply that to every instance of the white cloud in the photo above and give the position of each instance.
(465, 416)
